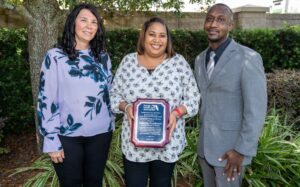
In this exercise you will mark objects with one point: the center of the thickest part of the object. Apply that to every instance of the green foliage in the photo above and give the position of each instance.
(264, 41)
(113, 173)
(189, 43)
(289, 45)
(13, 43)
(134, 5)
(119, 43)
(284, 94)
(277, 162)
(187, 168)
(15, 94)
(45, 176)
(279, 49)
(3, 150)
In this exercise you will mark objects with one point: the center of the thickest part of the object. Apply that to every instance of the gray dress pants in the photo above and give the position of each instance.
(213, 176)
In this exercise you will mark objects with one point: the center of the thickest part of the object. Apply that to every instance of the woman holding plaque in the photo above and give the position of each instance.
(73, 103)
(154, 72)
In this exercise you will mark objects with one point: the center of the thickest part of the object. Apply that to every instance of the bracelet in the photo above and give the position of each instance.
(179, 113)
(126, 107)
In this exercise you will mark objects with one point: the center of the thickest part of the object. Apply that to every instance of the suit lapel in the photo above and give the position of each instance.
(223, 60)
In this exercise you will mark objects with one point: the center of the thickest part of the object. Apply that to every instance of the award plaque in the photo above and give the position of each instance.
(150, 124)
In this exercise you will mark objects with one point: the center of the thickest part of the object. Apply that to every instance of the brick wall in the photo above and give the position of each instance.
(247, 17)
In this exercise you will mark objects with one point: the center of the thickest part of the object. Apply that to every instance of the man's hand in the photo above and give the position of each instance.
(233, 165)
(57, 156)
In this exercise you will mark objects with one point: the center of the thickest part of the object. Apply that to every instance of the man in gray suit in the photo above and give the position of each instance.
(232, 83)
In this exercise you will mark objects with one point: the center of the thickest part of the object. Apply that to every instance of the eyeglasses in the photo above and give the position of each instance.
(219, 20)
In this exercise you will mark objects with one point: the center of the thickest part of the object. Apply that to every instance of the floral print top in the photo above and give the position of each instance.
(173, 81)
(73, 98)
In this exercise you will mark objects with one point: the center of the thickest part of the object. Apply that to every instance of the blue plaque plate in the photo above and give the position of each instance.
(150, 124)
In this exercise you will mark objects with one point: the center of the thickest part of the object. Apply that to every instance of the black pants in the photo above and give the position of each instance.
(85, 159)
(136, 173)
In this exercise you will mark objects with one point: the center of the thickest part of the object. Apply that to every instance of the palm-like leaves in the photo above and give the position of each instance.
(277, 162)
(46, 176)
(187, 167)
(113, 173)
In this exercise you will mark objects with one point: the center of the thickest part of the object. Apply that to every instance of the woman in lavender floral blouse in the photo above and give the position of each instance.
(74, 112)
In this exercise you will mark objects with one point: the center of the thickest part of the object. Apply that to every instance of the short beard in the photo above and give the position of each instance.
(217, 40)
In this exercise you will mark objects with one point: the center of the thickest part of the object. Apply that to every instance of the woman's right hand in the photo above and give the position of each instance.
(129, 113)
(57, 156)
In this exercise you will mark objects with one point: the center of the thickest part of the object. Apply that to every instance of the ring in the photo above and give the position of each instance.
(234, 169)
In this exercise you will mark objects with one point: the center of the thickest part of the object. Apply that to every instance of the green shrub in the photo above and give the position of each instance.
(15, 88)
(265, 42)
(189, 43)
(119, 43)
(16, 99)
(187, 167)
(13, 43)
(279, 49)
(2, 124)
(113, 173)
(284, 94)
(277, 162)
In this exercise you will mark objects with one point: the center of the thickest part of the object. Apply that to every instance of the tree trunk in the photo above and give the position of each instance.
(43, 31)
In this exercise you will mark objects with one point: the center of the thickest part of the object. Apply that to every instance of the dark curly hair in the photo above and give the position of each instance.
(68, 42)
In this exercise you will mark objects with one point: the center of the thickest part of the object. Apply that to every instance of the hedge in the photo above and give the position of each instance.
(280, 49)
(284, 94)
(15, 89)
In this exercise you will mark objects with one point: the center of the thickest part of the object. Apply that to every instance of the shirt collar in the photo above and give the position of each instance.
(219, 50)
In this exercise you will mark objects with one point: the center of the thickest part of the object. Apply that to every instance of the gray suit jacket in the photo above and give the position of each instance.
(233, 103)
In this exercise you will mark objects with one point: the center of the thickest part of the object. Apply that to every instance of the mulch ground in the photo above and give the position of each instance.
(23, 152)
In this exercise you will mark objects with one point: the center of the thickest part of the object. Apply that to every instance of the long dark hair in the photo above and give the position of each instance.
(141, 42)
(68, 42)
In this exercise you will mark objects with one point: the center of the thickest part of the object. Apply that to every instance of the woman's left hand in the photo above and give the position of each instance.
(172, 123)
(176, 113)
